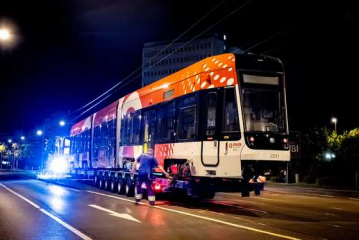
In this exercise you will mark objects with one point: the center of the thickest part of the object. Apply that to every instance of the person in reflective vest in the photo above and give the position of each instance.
(147, 163)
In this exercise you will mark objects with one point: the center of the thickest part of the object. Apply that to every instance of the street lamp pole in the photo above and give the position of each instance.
(42, 134)
(335, 120)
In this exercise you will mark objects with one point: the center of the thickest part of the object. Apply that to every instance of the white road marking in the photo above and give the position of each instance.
(268, 199)
(23, 198)
(333, 225)
(115, 214)
(357, 199)
(205, 218)
(72, 229)
(318, 195)
(337, 208)
(330, 214)
(243, 208)
(240, 200)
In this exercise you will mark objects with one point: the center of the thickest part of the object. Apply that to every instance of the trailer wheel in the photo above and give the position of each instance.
(130, 188)
(105, 187)
(101, 183)
(96, 180)
(113, 185)
(121, 186)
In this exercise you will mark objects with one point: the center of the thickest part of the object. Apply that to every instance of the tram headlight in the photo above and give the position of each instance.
(251, 139)
(285, 143)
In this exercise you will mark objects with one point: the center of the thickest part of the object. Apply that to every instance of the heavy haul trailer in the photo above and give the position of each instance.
(204, 123)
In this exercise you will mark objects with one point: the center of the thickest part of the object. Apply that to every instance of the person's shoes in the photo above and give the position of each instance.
(137, 202)
(152, 203)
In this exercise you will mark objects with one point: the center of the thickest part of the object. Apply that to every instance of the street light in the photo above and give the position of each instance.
(22, 138)
(9, 36)
(5, 35)
(39, 132)
(9, 141)
(335, 120)
(62, 123)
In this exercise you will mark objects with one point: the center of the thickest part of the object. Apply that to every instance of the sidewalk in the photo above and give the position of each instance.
(311, 186)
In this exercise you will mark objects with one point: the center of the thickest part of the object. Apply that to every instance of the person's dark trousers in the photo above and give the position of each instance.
(143, 178)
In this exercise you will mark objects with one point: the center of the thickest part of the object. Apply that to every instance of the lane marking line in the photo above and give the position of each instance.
(23, 198)
(239, 207)
(204, 218)
(239, 200)
(72, 229)
(319, 195)
(330, 214)
(356, 199)
(337, 208)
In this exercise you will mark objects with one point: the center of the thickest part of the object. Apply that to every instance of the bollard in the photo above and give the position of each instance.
(296, 178)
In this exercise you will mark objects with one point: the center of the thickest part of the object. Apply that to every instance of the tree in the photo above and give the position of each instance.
(21, 152)
(314, 145)
(2, 153)
(346, 147)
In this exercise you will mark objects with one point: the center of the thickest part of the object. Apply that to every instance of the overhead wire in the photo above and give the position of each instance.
(168, 55)
(160, 52)
(185, 44)
(261, 42)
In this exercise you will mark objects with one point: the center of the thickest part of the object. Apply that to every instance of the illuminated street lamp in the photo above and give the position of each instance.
(39, 132)
(5, 35)
(22, 138)
(8, 34)
(9, 141)
(62, 123)
(335, 120)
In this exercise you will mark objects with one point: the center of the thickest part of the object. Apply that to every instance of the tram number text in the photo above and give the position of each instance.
(274, 156)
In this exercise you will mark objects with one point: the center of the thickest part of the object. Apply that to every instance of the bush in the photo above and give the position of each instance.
(310, 178)
(273, 179)
(322, 181)
(331, 180)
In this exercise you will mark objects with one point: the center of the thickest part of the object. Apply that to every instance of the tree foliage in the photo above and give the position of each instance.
(336, 170)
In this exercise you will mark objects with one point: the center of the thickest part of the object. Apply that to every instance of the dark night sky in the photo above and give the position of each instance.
(73, 50)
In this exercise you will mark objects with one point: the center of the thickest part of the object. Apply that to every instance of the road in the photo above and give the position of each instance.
(32, 209)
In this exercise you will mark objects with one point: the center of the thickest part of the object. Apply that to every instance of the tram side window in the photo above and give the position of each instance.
(125, 129)
(187, 123)
(187, 118)
(80, 142)
(211, 114)
(231, 119)
(113, 132)
(109, 133)
(88, 140)
(97, 137)
(71, 142)
(135, 128)
(76, 144)
(167, 125)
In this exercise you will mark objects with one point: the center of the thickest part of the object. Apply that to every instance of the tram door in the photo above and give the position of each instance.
(149, 130)
(210, 143)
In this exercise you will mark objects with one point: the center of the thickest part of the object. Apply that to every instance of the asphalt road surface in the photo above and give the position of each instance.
(31, 209)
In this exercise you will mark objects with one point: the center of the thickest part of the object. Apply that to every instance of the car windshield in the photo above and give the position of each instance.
(263, 104)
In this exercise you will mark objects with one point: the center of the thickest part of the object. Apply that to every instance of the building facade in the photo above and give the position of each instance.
(157, 64)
